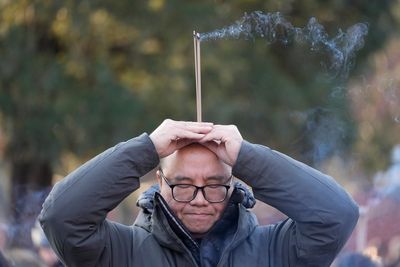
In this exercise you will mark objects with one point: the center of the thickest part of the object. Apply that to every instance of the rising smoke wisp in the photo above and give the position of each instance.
(273, 27)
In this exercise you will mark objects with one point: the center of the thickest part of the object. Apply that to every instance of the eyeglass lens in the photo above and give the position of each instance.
(212, 193)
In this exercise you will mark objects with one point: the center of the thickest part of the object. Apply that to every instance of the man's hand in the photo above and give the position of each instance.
(224, 141)
(173, 135)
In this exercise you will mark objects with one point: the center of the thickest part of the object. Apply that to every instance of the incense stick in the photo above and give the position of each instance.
(197, 67)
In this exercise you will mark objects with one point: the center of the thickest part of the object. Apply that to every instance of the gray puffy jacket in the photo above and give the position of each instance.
(321, 215)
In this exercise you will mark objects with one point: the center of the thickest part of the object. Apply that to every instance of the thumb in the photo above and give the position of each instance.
(219, 149)
(211, 145)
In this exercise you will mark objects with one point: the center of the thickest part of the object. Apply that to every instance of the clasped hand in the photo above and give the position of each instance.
(223, 140)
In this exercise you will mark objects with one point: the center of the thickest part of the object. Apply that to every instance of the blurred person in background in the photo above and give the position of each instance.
(393, 257)
(20, 257)
(3, 236)
(44, 250)
(197, 216)
(44, 255)
(390, 179)
(356, 260)
(3, 261)
(3, 244)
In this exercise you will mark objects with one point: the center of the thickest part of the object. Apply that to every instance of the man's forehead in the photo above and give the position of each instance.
(195, 164)
(194, 149)
(191, 154)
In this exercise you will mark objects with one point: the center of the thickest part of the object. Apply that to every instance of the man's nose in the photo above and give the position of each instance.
(199, 199)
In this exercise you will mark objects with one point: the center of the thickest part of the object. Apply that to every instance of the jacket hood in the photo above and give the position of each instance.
(146, 199)
(235, 224)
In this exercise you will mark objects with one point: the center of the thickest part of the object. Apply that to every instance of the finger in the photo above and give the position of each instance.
(215, 134)
(211, 145)
(181, 124)
(197, 122)
(198, 129)
(189, 135)
(192, 123)
(195, 126)
(219, 150)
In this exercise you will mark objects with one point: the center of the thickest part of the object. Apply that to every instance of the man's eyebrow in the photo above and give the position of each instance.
(182, 179)
(217, 178)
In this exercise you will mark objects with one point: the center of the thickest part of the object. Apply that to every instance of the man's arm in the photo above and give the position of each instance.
(73, 215)
(322, 214)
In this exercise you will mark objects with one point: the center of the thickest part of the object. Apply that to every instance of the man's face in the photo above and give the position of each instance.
(195, 165)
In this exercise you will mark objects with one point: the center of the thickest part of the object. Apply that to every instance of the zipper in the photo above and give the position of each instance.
(188, 255)
(166, 208)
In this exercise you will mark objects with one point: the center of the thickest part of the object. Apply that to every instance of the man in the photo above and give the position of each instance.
(199, 216)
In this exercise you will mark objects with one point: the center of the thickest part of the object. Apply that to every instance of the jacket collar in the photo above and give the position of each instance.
(146, 199)
(156, 217)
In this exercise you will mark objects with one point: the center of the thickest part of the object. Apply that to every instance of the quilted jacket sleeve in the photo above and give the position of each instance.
(74, 214)
(321, 214)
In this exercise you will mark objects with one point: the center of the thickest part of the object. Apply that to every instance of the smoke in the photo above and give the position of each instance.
(391, 95)
(338, 92)
(26, 209)
(324, 134)
(273, 27)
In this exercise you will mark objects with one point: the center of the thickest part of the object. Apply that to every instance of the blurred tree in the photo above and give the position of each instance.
(58, 92)
(78, 76)
(375, 105)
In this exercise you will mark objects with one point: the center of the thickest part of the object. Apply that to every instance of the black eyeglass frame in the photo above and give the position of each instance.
(227, 187)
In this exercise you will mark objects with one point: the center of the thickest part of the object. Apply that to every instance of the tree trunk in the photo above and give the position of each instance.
(30, 184)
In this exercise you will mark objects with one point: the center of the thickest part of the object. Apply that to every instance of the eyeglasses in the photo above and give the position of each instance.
(213, 193)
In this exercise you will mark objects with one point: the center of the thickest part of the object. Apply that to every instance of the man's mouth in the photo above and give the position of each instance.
(199, 215)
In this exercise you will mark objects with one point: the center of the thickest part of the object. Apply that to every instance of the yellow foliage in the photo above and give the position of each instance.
(109, 30)
(62, 23)
(150, 46)
(156, 5)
